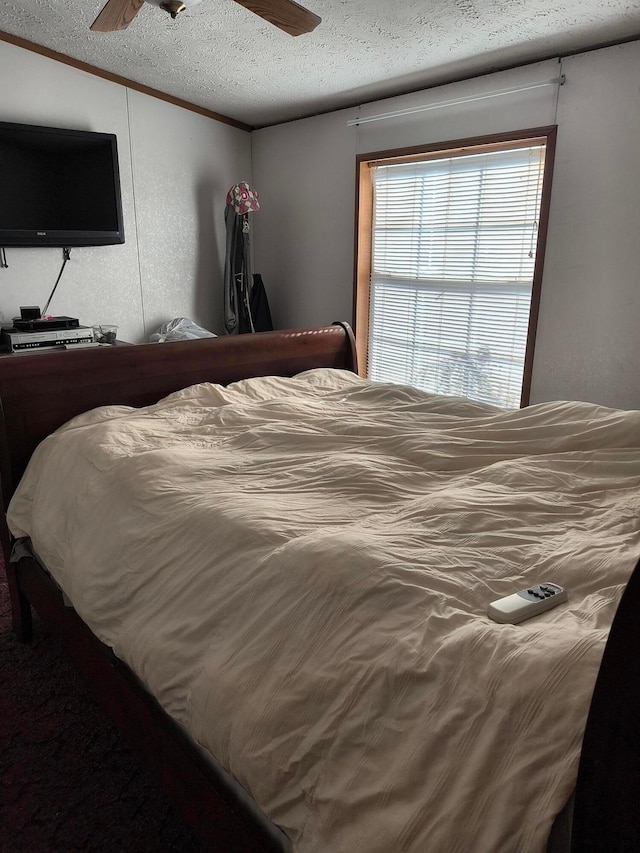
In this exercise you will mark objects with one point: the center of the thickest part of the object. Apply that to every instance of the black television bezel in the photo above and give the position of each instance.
(27, 238)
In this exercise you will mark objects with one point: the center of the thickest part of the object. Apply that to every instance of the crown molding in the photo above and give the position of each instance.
(122, 81)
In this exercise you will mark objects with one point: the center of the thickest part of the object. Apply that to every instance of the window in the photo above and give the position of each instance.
(449, 264)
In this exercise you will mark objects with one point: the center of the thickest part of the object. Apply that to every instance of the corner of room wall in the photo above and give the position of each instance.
(175, 167)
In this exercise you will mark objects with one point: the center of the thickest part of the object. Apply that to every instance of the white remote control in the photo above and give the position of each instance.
(529, 602)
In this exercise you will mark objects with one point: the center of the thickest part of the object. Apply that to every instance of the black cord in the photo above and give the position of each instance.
(3, 260)
(66, 254)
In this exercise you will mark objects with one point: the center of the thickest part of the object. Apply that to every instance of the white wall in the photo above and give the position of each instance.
(304, 173)
(587, 344)
(176, 167)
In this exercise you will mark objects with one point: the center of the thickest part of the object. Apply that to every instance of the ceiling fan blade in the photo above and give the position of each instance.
(285, 14)
(116, 15)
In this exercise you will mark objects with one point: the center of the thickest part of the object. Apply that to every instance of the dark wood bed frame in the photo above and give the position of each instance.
(40, 392)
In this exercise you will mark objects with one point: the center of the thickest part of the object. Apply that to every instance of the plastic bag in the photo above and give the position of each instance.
(180, 329)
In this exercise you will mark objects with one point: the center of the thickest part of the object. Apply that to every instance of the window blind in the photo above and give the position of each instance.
(453, 255)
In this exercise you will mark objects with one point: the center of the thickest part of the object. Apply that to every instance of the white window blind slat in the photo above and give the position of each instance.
(453, 258)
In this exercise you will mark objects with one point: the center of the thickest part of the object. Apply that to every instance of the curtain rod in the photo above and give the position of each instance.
(556, 81)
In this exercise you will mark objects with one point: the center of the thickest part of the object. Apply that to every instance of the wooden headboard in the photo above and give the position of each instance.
(39, 392)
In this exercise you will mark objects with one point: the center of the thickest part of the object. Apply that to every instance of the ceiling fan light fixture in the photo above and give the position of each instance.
(173, 7)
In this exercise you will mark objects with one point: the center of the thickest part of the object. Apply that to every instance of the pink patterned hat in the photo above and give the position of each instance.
(243, 198)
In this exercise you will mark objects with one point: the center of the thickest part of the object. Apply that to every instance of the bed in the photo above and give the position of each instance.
(284, 705)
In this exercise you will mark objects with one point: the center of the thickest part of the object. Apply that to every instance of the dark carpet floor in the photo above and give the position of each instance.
(68, 782)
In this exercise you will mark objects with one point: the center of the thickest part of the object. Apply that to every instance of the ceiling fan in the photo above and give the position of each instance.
(285, 14)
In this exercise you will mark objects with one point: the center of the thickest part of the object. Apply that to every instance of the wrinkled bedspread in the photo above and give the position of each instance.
(299, 570)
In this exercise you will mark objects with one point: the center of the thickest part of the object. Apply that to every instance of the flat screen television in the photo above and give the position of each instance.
(58, 187)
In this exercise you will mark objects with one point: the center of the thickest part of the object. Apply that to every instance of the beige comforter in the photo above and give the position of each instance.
(299, 569)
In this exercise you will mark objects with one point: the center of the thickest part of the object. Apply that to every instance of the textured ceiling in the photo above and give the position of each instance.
(222, 57)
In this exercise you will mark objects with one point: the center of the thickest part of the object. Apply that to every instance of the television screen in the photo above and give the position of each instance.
(58, 187)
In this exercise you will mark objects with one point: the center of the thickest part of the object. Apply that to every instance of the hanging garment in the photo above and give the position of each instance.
(259, 305)
(238, 281)
(236, 268)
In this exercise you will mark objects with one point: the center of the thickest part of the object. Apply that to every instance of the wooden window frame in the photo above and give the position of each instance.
(459, 147)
